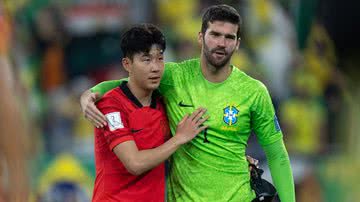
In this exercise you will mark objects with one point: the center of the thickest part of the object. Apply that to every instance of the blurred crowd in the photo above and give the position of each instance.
(56, 49)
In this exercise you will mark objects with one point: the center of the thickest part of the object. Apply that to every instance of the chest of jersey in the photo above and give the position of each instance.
(148, 126)
(227, 105)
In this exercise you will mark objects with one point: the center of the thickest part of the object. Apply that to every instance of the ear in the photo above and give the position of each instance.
(238, 43)
(200, 38)
(126, 63)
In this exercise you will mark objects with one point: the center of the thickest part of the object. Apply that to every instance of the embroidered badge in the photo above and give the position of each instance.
(230, 115)
(114, 121)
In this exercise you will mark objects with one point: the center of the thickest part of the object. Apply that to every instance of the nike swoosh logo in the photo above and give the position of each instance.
(135, 131)
(181, 104)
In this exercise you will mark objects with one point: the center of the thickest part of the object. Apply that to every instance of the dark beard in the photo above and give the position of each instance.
(212, 61)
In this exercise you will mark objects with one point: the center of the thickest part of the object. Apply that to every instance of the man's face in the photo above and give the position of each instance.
(146, 69)
(219, 42)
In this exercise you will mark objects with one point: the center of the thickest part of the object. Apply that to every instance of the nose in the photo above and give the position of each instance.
(155, 66)
(221, 41)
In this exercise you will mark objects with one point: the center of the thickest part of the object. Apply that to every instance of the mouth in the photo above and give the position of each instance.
(154, 78)
(219, 53)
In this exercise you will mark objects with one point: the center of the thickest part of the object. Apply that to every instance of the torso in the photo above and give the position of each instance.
(149, 128)
(216, 161)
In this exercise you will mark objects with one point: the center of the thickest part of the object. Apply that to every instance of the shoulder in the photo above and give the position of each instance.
(186, 64)
(248, 82)
(182, 71)
(112, 98)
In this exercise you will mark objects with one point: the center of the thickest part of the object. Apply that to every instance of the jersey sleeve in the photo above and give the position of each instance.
(117, 129)
(263, 119)
(106, 86)
(280, 168)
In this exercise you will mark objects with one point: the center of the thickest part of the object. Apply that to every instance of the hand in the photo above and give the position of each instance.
(89, 109)
(190, 126)
(252, 161)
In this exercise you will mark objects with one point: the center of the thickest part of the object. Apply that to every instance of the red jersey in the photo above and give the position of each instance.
(128, 120)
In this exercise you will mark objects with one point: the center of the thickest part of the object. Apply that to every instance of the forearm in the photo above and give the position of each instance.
(138, 162)
(280, 169)
(144, 160)
(105, 86)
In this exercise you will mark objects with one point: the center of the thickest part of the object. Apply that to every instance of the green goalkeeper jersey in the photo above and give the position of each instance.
(213, 166)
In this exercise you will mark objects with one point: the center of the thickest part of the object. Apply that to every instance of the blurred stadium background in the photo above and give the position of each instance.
(305, 51)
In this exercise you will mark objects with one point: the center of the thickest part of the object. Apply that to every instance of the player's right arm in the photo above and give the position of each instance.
(120, 140)
(139, 161)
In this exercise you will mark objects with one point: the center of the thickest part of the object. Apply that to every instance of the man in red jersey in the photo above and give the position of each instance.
(130, 151)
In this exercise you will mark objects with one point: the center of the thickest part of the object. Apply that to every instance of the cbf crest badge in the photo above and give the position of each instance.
(230, 115)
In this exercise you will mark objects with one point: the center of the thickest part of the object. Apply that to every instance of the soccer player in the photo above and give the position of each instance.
(213, 167)
(130, 151)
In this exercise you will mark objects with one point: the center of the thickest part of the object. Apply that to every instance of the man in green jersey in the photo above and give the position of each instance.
(213, 166)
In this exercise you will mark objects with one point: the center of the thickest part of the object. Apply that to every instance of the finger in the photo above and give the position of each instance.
(249, 159)
(184, 119)
(199, 115)
(97, 113)
(252, 161)
(201, 121)
(96, 124)
(92, 115)
(93, 122)
(193, 115)
(201, 129)
(94, 118)
(256, 163)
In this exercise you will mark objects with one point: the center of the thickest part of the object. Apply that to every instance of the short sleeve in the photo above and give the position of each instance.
(263, 118)
(117, 130)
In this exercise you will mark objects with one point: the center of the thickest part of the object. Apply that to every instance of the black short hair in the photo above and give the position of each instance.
(140, 38)
(221, 13)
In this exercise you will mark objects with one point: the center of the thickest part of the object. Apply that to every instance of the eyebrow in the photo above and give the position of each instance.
(144, 54)
(233, 36)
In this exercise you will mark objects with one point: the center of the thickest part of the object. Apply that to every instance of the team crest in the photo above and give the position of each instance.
(230, 115)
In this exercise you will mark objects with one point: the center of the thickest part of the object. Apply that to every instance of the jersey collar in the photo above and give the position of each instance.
(125, 89)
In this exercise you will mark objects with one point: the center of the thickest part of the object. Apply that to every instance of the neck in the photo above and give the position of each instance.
(143, 95)
(214, 74)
